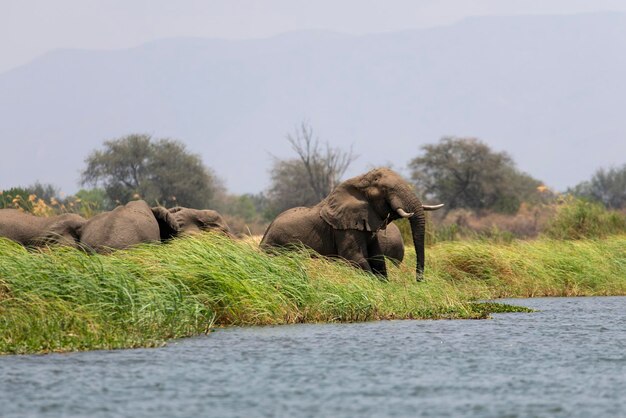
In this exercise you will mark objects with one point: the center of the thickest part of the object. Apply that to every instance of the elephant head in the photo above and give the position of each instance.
(192, 221)
(168, 226)
(370, 201)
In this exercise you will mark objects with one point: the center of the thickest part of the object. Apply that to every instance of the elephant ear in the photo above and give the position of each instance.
(168, 226)
(348, 208)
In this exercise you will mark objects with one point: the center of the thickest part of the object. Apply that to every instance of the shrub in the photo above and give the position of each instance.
(578, 219)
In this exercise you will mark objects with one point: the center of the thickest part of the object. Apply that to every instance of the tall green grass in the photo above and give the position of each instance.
(578, 219)
(544, 267)
(61, 299)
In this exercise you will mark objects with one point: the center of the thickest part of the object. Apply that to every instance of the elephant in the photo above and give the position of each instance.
(391, 243)
(30, 230)
(128, 225)
(191, 221)
(346, 222)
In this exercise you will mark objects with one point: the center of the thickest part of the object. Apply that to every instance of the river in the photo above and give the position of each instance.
(567, 359)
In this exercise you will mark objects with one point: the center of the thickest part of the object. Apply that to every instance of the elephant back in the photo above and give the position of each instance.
(21, 227)
(120, 228)
(299, 226)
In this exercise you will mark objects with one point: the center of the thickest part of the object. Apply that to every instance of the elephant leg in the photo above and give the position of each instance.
(376, 258)
(351, 246)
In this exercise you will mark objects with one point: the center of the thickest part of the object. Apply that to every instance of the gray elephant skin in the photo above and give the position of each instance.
(30, 230)
(128, 225)
(346, 222)
(192, 221)
(391, 243)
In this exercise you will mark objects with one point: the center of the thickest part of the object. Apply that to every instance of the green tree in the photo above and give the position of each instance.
(97, 197)
(466, 173)
(159, 171)
(244, 208)
(309, 177)
(89, 202)
(239, 206)
(605, 186)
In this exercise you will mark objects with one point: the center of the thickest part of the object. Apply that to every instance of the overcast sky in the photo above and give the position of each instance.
(29, 28)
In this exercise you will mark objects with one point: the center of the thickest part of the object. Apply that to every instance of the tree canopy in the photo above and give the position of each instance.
(159, 171)
(606, 185)
(466, 173)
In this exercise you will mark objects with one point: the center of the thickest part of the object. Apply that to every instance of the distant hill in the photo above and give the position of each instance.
(551, 90)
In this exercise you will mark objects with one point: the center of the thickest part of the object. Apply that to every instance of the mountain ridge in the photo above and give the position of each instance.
(548, 90)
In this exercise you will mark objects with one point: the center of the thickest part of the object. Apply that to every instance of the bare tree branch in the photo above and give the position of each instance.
(324, 170)
(311, 176)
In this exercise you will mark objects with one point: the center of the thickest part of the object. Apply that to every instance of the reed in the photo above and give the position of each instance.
(62, 299)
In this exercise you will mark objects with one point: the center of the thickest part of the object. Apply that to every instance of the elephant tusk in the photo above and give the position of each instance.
(432, 207)
(402, 213)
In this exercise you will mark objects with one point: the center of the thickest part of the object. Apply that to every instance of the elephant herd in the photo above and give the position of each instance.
(123, 227)
(353, 222)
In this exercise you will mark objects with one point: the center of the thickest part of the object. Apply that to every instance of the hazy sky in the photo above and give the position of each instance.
(29, 28)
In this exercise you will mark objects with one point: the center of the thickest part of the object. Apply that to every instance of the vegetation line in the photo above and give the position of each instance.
(62, 299)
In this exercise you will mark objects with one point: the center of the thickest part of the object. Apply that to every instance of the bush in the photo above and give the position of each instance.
(578, 219)
(86, 203)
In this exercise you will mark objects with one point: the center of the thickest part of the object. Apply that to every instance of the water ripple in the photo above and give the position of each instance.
(567, 360)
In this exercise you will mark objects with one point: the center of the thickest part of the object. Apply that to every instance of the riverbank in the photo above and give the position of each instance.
(63, 299)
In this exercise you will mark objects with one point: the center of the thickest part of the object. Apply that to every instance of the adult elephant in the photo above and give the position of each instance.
(191, 221)
(345, 223)
(128, 225)
(31, 230)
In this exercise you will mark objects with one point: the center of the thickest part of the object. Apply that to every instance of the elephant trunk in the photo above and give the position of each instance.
(406, 202)
(418, 229)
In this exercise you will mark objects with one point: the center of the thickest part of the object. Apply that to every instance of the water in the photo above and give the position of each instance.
(567, 360)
